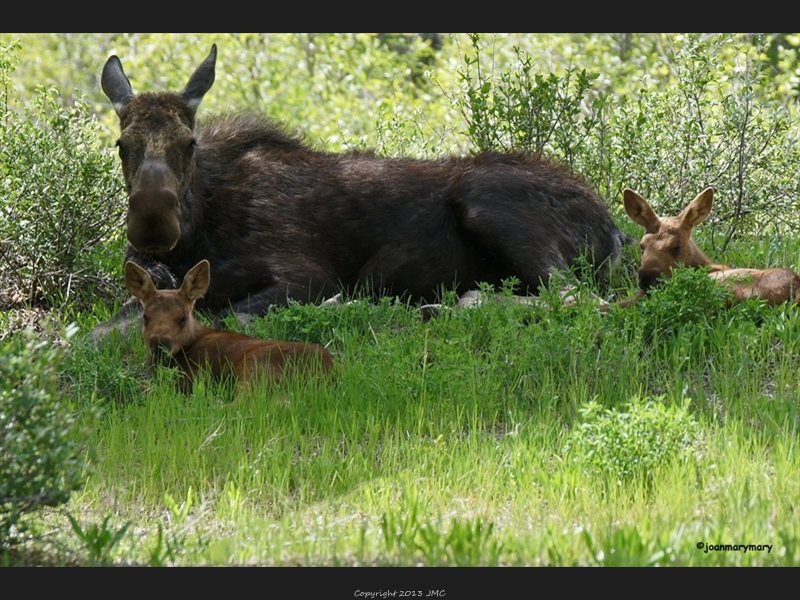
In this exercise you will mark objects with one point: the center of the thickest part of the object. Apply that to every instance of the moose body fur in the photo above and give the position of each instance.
(667, 242)
(173, 336)
(280, 222)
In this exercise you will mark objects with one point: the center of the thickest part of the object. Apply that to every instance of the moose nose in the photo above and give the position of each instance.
(153, 209)
(648, 279)
(160, 348)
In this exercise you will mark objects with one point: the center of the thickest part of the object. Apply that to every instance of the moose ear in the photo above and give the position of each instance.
(639, 210)
(115, 84)
(698, 209)
(138, 282)
(201, 80)
(197, 280)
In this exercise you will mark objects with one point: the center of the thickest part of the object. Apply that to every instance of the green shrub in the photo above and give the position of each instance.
(688, 297)
(629, 444)
(41, 458)
(693, 302)
(61, 233)
(719, 121)
(720, 124)
(524, 110)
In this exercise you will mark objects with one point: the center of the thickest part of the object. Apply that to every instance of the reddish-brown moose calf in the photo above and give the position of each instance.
(667, 242)
(173, 336)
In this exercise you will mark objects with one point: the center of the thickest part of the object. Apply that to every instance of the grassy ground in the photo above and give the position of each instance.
(500, 435)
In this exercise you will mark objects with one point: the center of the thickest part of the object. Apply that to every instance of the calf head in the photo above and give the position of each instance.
(169, 325)
(156, 146)
(667, 241)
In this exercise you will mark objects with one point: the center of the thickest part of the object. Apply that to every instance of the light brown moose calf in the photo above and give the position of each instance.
(667, 242)
(173, 336)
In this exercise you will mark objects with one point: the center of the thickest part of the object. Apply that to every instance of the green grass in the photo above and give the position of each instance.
(498, 435)
(448, 442)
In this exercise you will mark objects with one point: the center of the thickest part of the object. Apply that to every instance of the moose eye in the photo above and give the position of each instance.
(144, 320)
(191, 145)
(123, 151)
(676, 250)
(183, 321)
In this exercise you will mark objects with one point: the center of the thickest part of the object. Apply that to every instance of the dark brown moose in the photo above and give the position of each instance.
(173, 336)
(279, 221)
(667, 242)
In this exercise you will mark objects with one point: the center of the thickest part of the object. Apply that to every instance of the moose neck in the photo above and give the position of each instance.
(198, 333)
(699, 259)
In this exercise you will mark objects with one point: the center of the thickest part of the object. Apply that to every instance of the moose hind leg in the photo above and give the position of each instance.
(507, 249)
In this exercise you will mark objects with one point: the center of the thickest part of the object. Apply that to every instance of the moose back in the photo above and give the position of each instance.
(279, 221)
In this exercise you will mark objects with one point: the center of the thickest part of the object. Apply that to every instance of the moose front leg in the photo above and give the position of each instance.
(257, 305)
(162, 276)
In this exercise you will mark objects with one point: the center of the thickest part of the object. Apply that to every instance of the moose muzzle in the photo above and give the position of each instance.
(154, 214)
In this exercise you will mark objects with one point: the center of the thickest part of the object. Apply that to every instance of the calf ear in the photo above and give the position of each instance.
(138, 282)
(639, 210)
(698, 209)
(197, 280)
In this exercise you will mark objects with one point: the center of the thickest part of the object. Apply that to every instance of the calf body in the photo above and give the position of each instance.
(280, 221)
(173, 336)
(667, 242)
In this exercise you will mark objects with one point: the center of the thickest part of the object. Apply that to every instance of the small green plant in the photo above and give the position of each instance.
(472, 544)
(167, 548)
(41, 456)
(689, 297)
(98, 540)
(624, 547)
(467, 543)
(629, 444)
(180, 512)
(175, 543)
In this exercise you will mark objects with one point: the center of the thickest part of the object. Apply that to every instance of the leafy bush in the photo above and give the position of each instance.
(629, 444)
(332, 86)
(720, 124)
(523, 110)
(719, 121)
(60, 204)
(40, 456)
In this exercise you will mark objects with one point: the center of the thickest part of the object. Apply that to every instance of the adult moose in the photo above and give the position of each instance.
(279, 221)
(667, 242)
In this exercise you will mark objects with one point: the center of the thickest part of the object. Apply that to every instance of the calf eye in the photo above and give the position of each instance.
(183, 321)
(144, 320)
(676, 250)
